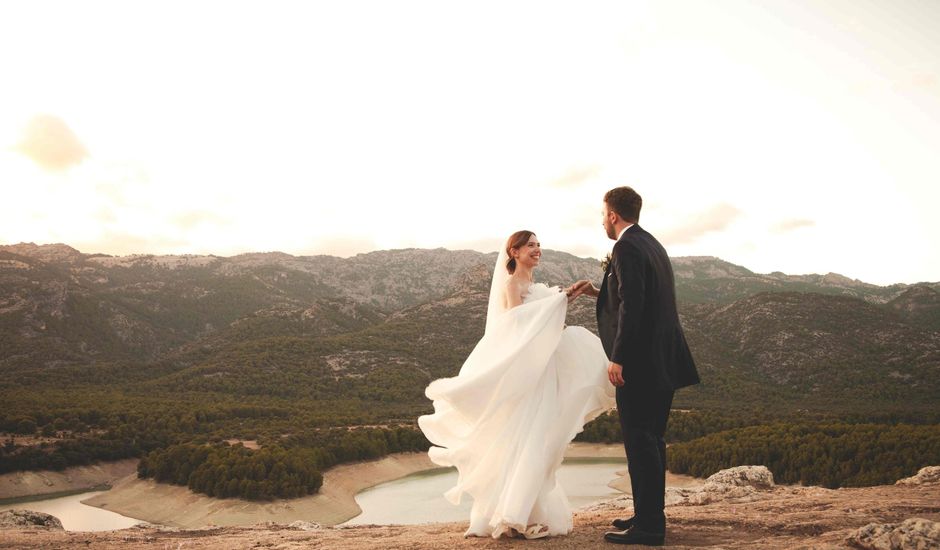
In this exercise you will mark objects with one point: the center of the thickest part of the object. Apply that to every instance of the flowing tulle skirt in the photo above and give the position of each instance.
(504, 422)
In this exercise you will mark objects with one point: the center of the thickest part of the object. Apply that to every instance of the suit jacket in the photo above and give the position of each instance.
(637, 319)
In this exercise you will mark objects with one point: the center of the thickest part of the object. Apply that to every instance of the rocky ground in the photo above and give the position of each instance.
(736, 509)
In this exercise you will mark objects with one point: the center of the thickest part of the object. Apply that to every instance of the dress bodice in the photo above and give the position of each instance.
(537, 291)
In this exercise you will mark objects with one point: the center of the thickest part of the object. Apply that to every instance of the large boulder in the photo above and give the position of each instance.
(929, 474)
(14, 519)
(912, 534)
(738, 484)
(756, 477)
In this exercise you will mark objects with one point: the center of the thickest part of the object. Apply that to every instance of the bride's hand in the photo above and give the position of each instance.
(573, 292)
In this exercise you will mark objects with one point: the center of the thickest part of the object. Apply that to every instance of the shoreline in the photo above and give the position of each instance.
(177, 506)
(58, 494)
(778, 517)
(27, 486)
(335, 503)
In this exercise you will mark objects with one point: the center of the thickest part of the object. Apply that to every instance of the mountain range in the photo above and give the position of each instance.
(322, 327)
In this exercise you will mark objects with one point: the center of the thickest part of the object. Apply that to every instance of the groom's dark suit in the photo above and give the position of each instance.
(639, 327)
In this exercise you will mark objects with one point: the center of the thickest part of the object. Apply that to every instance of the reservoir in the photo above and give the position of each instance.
(74, 515)
(414, 499)
(419, 498)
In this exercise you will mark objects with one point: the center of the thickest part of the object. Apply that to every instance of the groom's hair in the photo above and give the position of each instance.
(625, 202)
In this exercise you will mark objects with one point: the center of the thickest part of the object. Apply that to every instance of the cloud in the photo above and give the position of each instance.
(189, 220)
(923, 81)
(105, 215)
(51, 144)
(790, 225)
(583, 216)
(112, 192)
(120, 182)
(576, 177)
(716, 218)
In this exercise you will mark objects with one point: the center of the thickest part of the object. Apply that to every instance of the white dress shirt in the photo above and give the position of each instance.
(622, 231)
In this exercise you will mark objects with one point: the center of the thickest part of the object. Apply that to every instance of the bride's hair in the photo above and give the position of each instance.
(516, 240)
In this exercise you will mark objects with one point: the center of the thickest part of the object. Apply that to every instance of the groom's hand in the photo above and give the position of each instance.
(583, 286)
(615, 374)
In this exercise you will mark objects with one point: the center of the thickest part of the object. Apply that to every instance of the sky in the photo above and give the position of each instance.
(795, 136)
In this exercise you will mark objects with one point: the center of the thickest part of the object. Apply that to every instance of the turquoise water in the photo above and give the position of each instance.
(419, 498)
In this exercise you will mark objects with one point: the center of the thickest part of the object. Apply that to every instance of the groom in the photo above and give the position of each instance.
(649, 359)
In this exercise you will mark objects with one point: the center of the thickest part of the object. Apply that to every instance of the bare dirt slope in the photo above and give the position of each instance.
(78, 478)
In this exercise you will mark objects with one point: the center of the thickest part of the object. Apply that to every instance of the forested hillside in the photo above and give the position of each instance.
(109, 357)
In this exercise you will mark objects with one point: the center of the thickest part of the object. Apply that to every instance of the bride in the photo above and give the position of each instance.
(525, 391)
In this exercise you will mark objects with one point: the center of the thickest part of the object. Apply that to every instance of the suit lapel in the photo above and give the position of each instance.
(603, 292)
(602, 295)
(604, 281)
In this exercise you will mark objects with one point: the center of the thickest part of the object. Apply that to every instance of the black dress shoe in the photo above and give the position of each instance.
(635, 536)
(624, 524)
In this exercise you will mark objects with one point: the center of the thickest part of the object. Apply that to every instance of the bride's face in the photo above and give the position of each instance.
(528, 254)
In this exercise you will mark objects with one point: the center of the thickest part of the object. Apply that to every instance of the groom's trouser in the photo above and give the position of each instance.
(643, 416)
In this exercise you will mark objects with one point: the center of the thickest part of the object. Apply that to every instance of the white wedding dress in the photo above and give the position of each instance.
(525, 391)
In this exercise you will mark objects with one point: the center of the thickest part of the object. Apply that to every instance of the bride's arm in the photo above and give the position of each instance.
(513, 294)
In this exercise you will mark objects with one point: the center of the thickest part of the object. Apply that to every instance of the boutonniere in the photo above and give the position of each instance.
(605, 262)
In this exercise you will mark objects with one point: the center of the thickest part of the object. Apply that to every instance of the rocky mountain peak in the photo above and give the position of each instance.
(49, 253)
(837, 279)
(690, 267)
(917, 294)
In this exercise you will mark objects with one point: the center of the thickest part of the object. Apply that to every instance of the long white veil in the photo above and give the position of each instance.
(497, 303)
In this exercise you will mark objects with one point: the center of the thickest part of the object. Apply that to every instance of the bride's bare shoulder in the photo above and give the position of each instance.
(513, 286)
(517, 284)
(515, 290)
